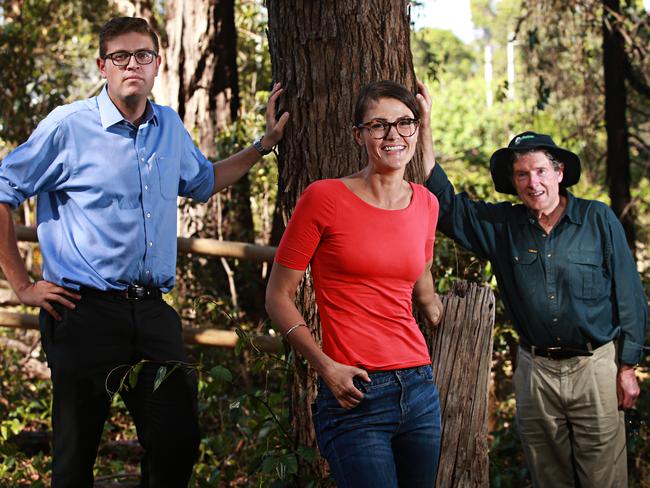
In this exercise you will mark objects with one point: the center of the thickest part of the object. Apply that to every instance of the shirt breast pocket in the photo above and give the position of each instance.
(586, 274)
(527, 271)
(168, 175)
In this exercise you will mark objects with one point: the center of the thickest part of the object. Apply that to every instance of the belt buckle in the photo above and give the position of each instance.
(136, 292)
(551, 352)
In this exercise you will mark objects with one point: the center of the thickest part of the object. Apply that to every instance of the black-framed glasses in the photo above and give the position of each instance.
(379, 129)
(123, 58)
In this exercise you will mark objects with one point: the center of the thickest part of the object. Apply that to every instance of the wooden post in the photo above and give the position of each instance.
(461, 350)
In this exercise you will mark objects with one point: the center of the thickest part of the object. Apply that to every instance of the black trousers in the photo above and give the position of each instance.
(103, 332)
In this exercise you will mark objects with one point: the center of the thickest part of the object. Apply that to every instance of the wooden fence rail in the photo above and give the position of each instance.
(201, 337)
(204, 336)
(206, 247)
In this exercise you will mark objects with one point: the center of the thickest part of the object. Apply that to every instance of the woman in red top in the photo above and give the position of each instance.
(369, 238)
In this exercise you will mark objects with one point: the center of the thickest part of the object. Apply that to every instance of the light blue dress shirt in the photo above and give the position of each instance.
(107, 192)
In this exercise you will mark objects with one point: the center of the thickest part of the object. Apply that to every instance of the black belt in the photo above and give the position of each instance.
(132, 292)
(560, 352)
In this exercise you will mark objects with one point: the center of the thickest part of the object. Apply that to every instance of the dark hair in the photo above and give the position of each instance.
(123, 25)
(372, 92)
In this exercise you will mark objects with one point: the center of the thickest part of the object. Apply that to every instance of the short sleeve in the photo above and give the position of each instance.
(313, 216)
(196, 172)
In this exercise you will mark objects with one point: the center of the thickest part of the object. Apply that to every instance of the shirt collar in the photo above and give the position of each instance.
(110, 115)
(571, 212)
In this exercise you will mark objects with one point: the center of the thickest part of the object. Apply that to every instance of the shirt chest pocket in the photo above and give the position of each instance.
(527, 271)
(586, 278)
(168, 175)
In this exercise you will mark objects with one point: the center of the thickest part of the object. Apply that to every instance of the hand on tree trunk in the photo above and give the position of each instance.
(274, 127)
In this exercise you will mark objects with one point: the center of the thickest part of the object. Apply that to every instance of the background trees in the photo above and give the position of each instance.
(218, 72)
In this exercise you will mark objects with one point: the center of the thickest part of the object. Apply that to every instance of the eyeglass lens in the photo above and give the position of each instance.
(122, 58)
(380, 129)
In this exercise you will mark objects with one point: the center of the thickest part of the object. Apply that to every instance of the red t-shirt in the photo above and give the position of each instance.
(365, 261)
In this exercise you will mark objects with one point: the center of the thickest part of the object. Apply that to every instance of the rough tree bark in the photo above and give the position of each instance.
(618, 149)
(322, 53)
(199, 76)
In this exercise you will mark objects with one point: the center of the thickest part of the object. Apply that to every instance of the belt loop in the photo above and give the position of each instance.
(532, 350)
(589, 348)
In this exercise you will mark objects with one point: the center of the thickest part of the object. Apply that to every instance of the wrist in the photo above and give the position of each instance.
(262, 145)
(21, 287)
(324, 367)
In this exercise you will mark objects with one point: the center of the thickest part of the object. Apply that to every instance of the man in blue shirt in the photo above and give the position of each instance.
(108, 171)
(569, 282)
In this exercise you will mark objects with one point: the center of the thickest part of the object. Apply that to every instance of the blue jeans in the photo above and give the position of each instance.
(391, 439)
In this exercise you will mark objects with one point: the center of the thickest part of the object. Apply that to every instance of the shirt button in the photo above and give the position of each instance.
(552, 297)
(548, 255)
(142, 159)
(558, 339)
(148, 215)
(146, 187)
(544, 235)
(554, 319)
(147, 272)
(150, 243)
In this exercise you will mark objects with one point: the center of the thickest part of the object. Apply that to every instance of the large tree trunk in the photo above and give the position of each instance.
(322, 53)
(198, 77)
(618, 150)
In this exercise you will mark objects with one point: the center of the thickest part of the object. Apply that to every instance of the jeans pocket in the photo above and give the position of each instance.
(426, 372)
(361, 385)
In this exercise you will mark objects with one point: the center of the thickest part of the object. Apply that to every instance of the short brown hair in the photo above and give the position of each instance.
(555, 163)
(552, 159)
(123, 25)
(372, 92)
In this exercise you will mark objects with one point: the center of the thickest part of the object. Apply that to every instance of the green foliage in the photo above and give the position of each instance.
(244, 410)
(50, 47)
(437, 51)
(24, 407)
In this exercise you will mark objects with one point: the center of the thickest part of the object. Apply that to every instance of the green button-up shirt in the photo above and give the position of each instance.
(574, 285)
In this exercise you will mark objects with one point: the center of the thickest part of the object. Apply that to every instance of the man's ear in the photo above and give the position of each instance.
(560, 173)
(101, 64)
(158, 62)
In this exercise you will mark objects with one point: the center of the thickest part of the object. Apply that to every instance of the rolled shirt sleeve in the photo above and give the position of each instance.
(37, 166)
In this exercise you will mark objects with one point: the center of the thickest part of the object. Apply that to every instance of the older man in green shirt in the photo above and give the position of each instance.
(570, 284)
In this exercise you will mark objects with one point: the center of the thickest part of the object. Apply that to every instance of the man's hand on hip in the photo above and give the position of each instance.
(42, 293)
(627, 387)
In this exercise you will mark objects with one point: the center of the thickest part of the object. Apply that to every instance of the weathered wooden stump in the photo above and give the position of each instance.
(461, 351)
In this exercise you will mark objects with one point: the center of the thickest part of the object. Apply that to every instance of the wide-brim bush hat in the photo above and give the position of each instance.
(501, 160)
